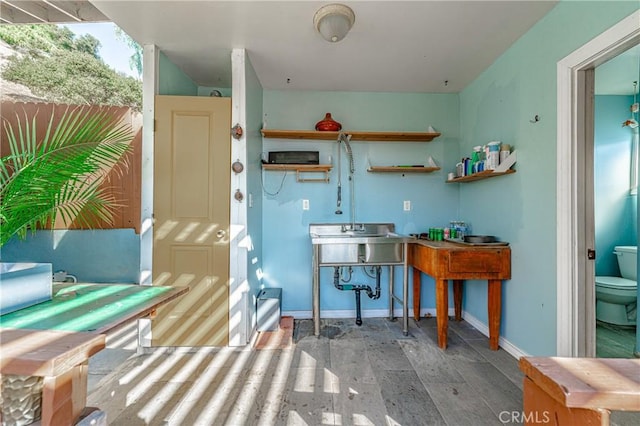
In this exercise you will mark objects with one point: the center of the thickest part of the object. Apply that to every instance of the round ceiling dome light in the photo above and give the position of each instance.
(333, 21)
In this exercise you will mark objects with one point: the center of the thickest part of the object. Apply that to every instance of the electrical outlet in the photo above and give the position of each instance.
(407, 205)
(305, 204)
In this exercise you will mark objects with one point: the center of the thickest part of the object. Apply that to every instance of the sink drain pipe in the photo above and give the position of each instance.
(357, 288)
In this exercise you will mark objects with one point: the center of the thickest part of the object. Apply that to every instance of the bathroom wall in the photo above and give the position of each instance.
(615, 208)
(521, 208)
(378, 196)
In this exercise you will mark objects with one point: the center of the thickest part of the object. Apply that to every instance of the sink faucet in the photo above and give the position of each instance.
(353, 227)
(344, 139)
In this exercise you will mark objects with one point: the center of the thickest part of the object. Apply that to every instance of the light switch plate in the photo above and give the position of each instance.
(305, 204)
(407, 205)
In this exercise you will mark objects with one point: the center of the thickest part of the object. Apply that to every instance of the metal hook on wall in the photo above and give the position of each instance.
(535, 119)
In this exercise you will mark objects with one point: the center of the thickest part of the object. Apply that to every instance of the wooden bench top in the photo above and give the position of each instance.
(45, 352)
(96, 308)
(611, 383)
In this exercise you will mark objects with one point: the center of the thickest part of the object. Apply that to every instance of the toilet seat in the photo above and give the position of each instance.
(616, 283)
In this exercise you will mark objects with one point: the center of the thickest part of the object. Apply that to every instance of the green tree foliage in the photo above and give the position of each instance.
(135, 60)
(60, 67)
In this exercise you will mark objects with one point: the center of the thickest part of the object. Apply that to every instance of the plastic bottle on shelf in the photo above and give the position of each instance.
(505, 151)
(493, 157)
(475, 158)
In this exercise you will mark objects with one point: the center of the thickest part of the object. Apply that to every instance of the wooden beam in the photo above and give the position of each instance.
(30, 8)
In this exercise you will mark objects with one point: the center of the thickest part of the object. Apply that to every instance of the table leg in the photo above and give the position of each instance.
(457, 298)
(442, 311)
(495, 311)
(417, 284)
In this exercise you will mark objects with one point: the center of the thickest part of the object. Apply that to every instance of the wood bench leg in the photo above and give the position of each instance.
(540, 408)
(64, 397)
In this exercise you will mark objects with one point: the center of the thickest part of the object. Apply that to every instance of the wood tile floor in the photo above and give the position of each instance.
(613, 341)
(368, 375)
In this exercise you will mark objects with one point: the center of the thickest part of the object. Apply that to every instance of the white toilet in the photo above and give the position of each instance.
(616, 297)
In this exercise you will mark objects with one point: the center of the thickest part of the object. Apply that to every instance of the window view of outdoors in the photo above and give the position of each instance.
(81, 64)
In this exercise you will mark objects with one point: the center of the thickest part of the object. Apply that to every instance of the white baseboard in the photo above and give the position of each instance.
(367, 313)
(509, 347)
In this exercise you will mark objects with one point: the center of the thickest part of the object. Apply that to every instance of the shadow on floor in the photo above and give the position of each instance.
(350, 375)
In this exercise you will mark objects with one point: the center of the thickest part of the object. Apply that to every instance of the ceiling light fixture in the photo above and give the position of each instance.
(333, 21)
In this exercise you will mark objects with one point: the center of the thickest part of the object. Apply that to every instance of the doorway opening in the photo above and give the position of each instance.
(575, 219)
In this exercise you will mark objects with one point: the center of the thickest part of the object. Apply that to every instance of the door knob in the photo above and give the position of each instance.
(221, 233)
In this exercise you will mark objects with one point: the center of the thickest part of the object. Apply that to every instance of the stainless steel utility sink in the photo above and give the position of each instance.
(363, 243)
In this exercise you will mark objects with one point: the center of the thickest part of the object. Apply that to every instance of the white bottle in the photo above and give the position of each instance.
(505, 151)
(493, 158)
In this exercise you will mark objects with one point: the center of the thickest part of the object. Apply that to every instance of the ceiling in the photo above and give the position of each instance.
(43, 11)
(394, 46)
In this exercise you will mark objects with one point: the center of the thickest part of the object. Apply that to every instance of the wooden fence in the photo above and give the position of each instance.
(123, 183)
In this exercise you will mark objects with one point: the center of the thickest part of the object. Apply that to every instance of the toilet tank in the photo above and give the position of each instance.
(627, 261)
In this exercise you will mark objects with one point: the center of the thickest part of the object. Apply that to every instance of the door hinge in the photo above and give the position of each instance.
(591, 254)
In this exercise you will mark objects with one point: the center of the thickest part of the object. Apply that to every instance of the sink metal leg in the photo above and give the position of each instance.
(315, 291)
(405, 291)
(391, 293)
(358, 309)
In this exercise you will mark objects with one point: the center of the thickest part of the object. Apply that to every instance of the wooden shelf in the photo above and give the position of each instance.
(302, 168)
(480, 176)
(355, 136)
(401, 169)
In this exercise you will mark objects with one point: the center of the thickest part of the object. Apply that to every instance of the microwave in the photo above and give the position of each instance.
(294, 157)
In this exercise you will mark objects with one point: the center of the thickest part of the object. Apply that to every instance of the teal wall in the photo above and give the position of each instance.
(615, 208)
(252, 167)
(172, 81)
(521, 208)
(378, 196)
(99, 256)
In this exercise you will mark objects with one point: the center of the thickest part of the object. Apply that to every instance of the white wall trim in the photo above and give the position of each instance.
(573, 299)
(239, 330)
(366, 313)
(150, 81)
(505, 344)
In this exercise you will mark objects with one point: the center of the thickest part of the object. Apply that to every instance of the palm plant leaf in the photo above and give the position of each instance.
(59, 174)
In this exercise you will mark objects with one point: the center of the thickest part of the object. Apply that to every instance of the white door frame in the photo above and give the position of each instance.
(575, 233)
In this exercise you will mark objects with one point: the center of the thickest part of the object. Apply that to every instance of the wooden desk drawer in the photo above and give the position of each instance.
(475, 261)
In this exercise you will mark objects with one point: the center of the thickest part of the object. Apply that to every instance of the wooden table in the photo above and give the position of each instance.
(578, 391)
(53, 340)
(446, 261)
